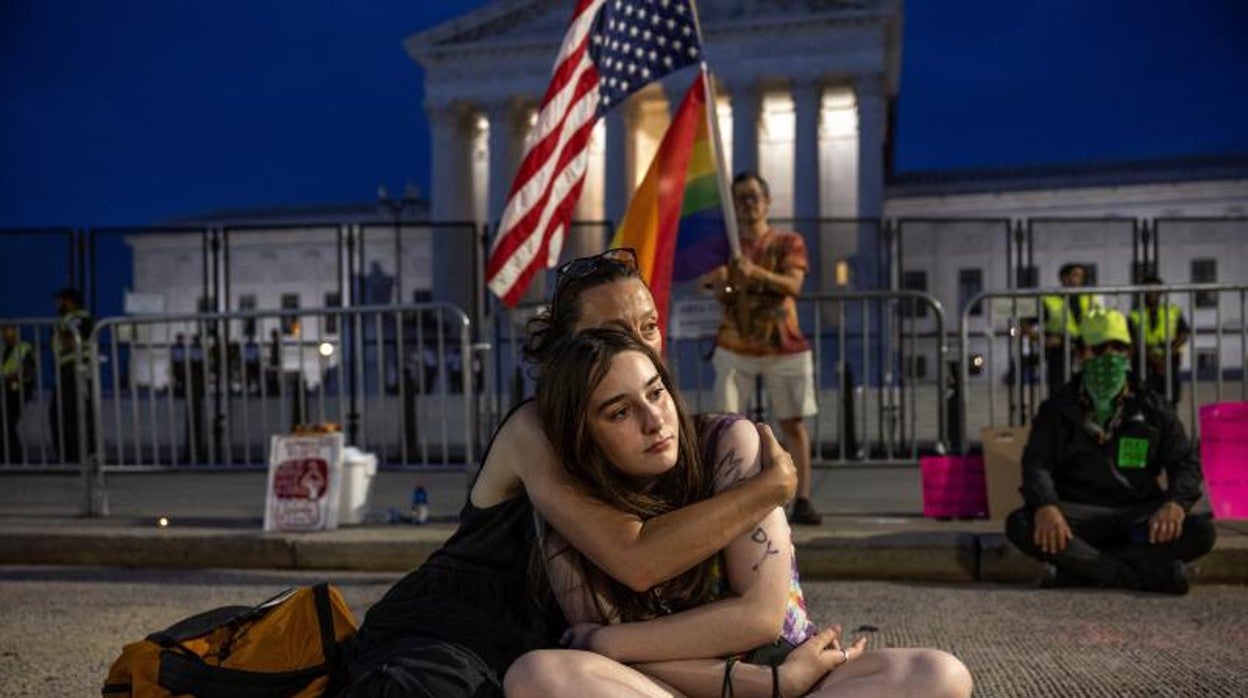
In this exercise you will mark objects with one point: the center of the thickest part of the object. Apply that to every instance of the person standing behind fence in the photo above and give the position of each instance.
(1094, 508)
(17, 365)
(69, 336)
(1163, 324)
(1062, 316)
(760, 335)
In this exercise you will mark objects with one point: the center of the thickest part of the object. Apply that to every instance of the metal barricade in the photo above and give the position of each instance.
(1009, 339)
(195, 391)
(879, 359)
(512, 380)
(880, 372)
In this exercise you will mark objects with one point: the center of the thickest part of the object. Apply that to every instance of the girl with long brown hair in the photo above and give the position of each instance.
(609, 410)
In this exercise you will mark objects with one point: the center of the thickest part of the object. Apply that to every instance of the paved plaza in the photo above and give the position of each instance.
(64, 625)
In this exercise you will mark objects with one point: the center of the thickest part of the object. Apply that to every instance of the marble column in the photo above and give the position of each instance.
(807, 98)
(451, 201)
(588, 235)
(449, 158)
(619, 183)
(502, 117)
(871, 116)
(746, 98)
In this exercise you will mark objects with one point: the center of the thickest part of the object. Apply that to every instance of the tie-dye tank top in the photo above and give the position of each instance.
(797, 624)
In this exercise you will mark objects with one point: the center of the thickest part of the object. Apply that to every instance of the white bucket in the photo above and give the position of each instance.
(358, 469)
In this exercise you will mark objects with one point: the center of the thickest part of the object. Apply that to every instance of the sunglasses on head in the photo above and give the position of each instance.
(581, 267)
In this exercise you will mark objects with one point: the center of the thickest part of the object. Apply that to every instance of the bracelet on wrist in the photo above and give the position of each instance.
(726, 690)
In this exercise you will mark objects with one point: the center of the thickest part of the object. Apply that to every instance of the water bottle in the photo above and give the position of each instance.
(420, 504)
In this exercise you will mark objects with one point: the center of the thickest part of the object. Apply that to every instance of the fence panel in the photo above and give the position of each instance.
(881, 379)
(1087, 241)
(1008, 349)
(1204, 250)
(406, 390)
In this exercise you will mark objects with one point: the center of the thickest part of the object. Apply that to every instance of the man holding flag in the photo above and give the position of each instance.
(760, 335)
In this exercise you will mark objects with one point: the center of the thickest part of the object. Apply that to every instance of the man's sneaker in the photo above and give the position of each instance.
(1161, 578)
(1057, 578)
(804, 514)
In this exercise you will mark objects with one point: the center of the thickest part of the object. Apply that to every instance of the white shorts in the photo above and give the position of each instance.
(789, 380)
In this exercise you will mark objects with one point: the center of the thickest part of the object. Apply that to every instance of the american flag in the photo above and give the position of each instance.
(612, 49)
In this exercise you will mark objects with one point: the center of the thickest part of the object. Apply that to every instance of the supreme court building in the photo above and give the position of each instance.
(804, 91)
(806, 94)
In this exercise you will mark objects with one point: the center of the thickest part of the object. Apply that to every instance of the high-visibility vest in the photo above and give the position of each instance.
(14, 363)
(1162, 324)
(1057, 314)
(72, 322)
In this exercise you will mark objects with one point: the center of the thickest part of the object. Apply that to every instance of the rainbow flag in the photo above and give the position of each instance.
(675, 220)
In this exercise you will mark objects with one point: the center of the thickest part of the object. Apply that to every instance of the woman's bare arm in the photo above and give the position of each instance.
(759, 568)
(728, 626)
(640, 554)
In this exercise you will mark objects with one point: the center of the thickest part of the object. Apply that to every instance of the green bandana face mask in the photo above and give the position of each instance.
(1104, 377)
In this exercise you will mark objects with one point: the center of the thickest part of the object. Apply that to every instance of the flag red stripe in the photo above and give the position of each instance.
(565, 213)
(566, 66)
(534, 171)
(555, 103)
(519, 225)
(553, 166)
(539, 226)
(553, 172)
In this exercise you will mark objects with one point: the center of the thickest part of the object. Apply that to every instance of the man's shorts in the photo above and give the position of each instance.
(789, 380)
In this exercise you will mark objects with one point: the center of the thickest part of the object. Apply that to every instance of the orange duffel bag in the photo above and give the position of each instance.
(289, 645)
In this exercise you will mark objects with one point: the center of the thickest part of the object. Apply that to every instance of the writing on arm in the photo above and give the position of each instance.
(758, 565)
(760, 536)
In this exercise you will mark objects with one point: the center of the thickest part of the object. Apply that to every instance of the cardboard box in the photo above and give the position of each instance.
(1003, 472)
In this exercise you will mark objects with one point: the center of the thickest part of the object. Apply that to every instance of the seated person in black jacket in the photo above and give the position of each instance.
(1094, 508)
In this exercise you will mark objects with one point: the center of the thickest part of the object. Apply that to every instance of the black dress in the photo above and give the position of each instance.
(454, 625)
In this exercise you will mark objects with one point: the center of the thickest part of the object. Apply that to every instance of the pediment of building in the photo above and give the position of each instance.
(504, 49)
(512, 22)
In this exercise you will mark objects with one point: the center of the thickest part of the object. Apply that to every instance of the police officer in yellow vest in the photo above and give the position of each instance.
(17, 365)
(1062, 316)
(1162, 324)
(69, 337)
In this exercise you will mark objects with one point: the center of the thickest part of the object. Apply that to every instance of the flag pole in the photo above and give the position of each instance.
(712, 118)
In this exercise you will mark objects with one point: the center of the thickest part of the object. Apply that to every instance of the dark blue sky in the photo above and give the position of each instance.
(141, 110)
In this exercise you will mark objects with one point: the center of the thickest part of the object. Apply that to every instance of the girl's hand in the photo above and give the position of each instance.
(777, 463)
(580, 636)
(813, 659)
